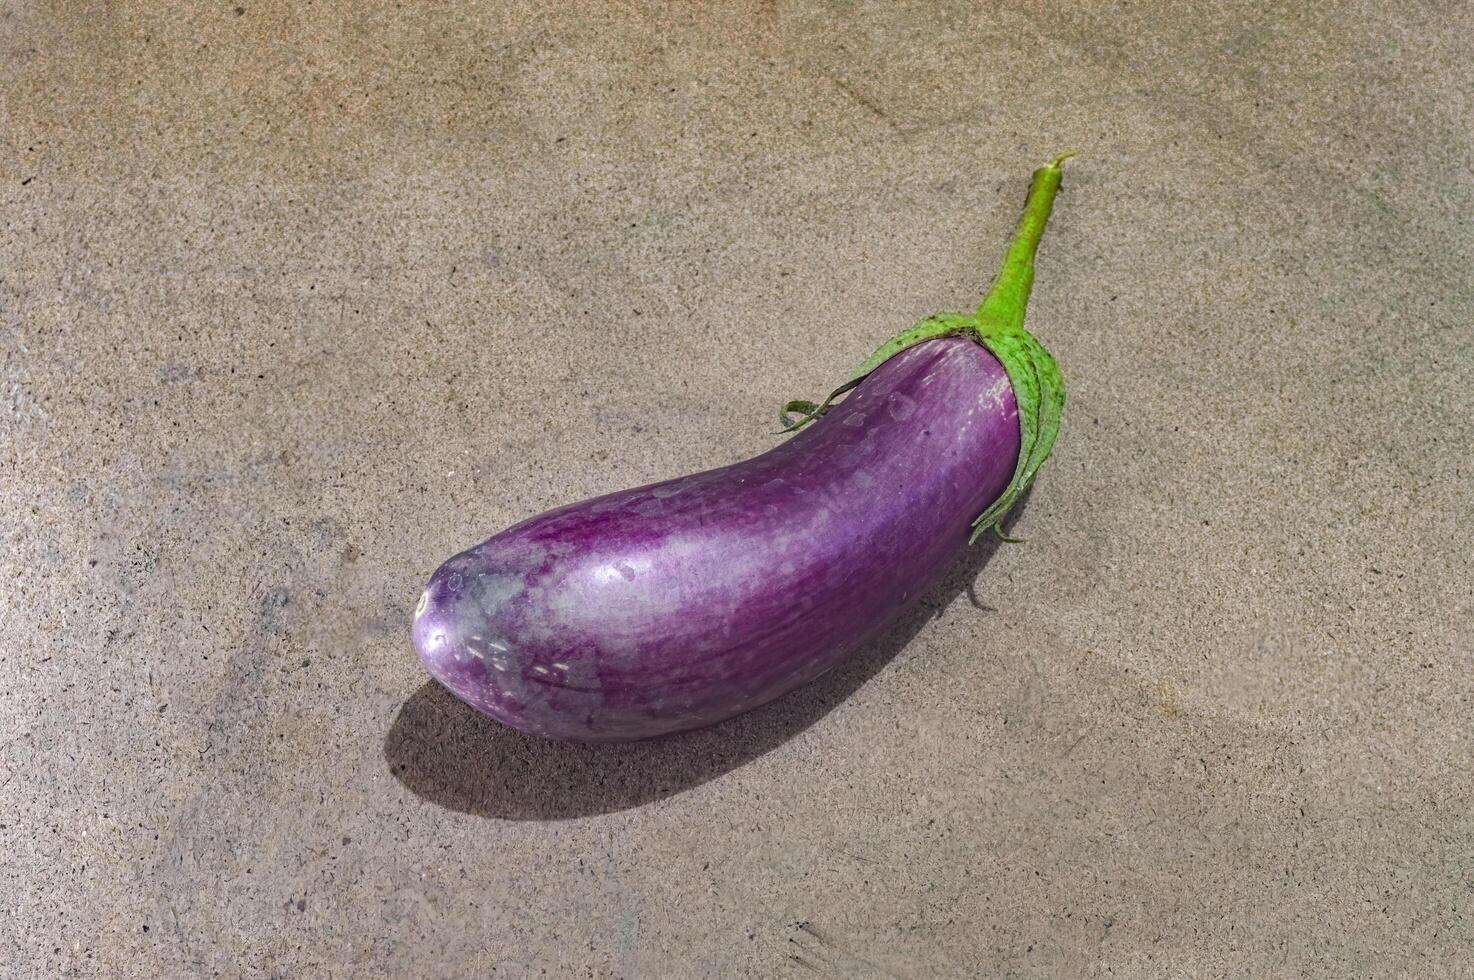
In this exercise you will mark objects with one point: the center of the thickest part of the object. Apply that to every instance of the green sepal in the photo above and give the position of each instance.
(999, 536)
(807, 412)
(1039, 390)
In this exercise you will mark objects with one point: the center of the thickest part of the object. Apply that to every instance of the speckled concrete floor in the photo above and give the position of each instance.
(298, 299)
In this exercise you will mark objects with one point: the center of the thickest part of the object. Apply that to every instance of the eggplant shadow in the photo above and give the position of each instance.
(451, 755)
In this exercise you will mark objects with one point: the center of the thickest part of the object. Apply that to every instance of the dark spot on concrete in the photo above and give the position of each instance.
(173, 373)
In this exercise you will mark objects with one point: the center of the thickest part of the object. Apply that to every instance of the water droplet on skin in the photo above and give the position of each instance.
(900, 407)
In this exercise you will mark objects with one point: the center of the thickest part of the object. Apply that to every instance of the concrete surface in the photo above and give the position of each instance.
(300, 298)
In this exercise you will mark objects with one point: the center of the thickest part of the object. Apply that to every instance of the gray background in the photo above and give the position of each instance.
(300, 298)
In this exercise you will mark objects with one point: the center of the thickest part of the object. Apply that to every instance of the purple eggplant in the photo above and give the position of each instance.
(679, 604)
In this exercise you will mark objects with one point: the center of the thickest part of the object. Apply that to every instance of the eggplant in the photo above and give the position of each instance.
(679, 604)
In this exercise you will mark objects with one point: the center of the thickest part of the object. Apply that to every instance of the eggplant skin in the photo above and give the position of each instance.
(676, 605)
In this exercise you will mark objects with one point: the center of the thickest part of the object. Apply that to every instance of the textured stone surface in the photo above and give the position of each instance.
(296, 300)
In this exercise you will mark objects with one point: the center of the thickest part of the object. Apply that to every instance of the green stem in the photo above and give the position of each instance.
(1004, 305)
